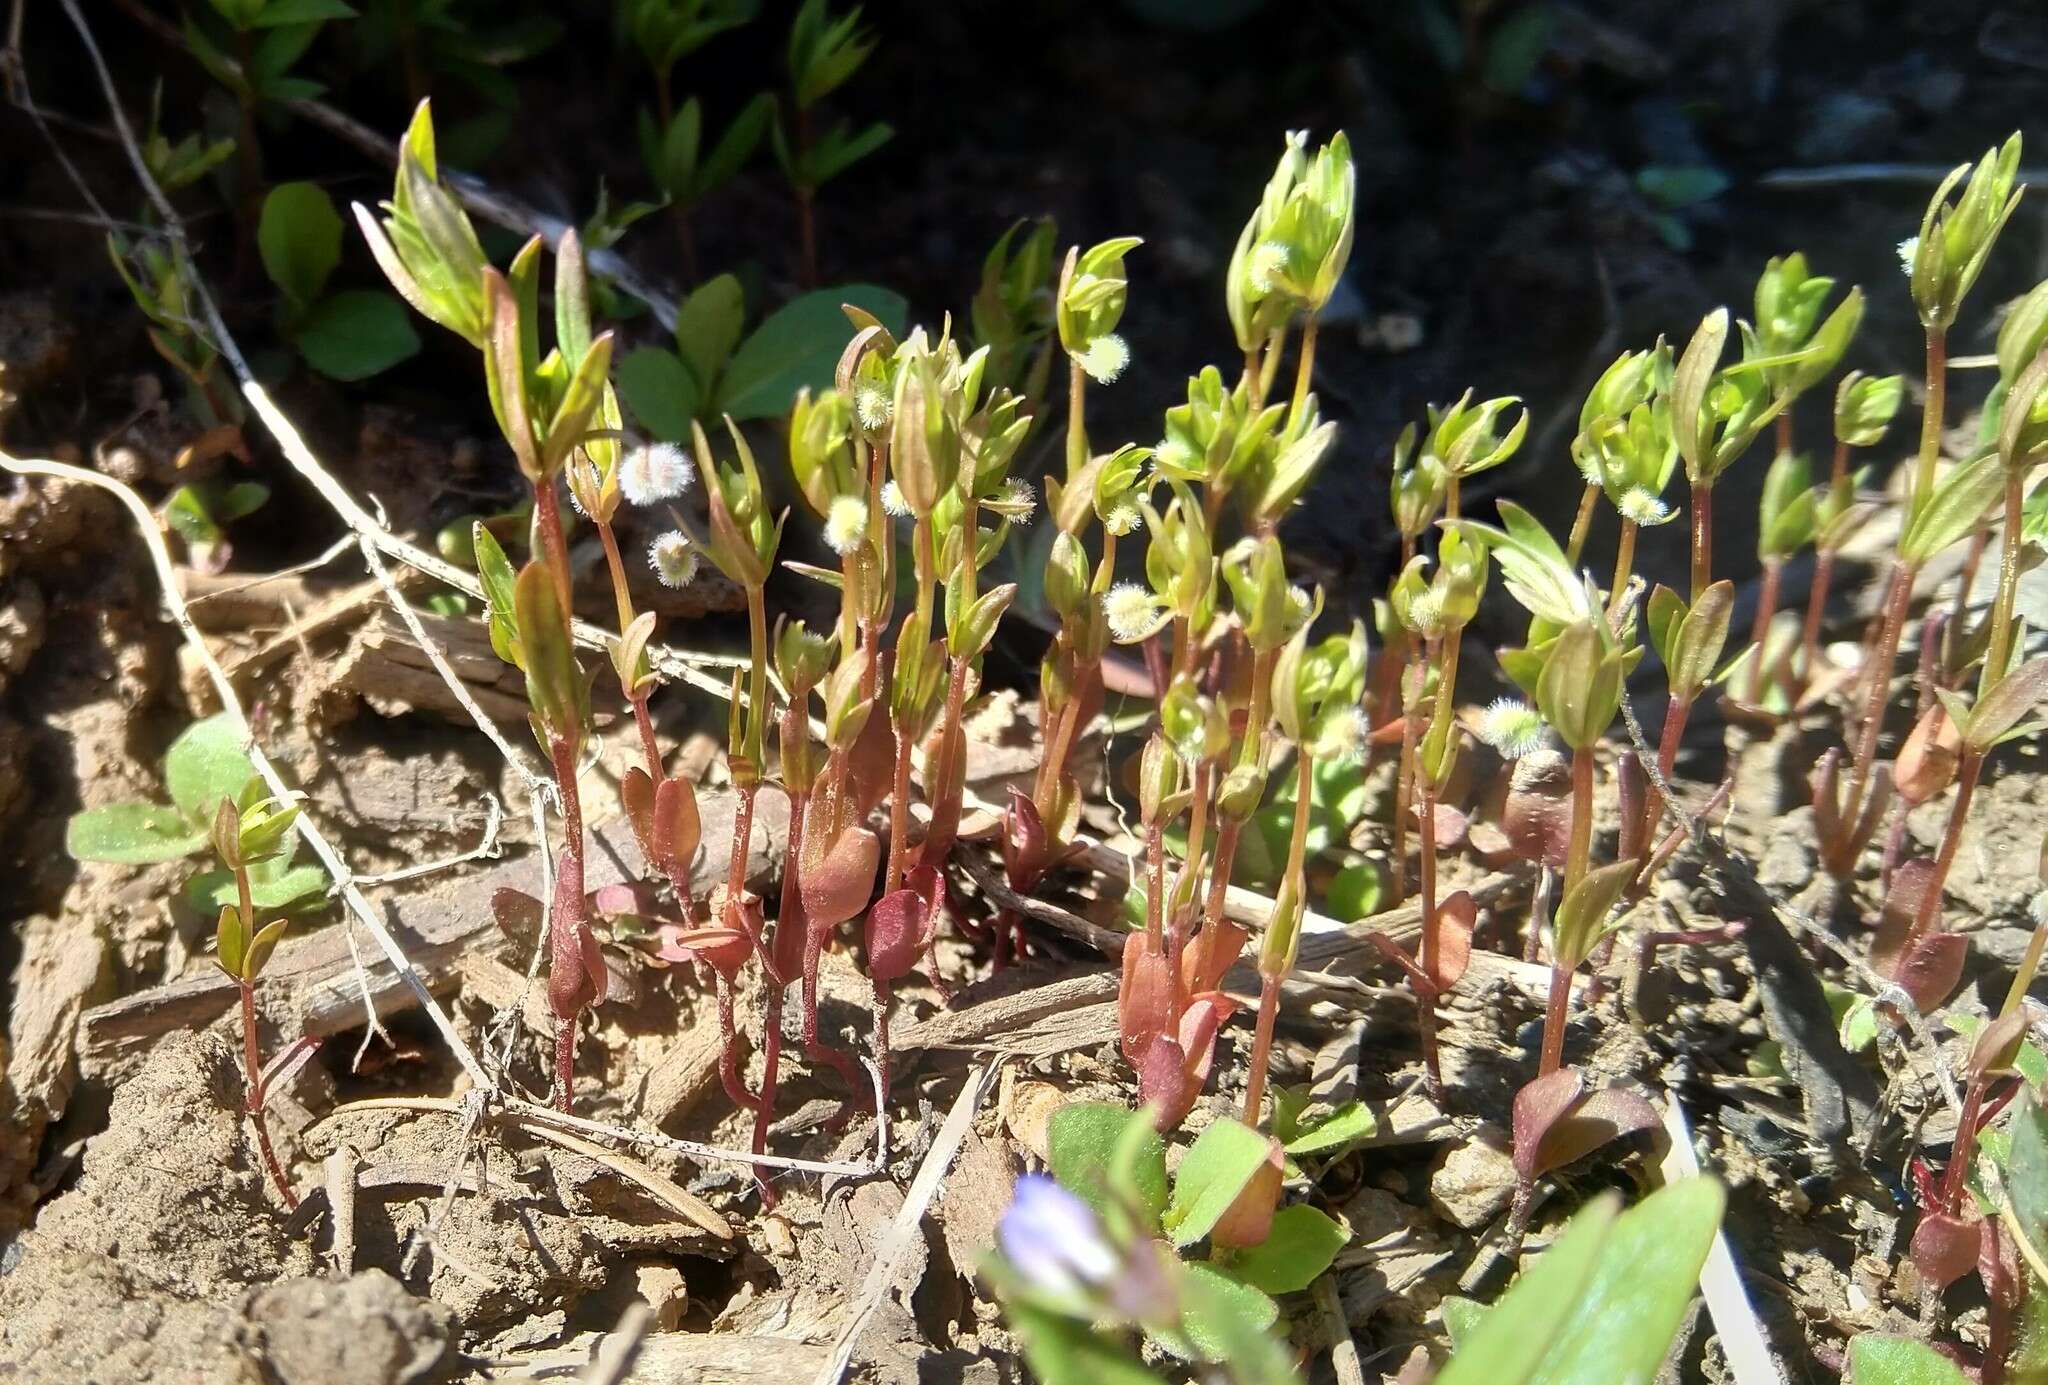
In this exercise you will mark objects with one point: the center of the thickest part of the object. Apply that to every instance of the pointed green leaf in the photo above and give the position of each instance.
(1214, 1171)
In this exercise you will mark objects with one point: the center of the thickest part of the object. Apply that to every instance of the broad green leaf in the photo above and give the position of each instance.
(2026, 1172)
(708, 327)
(273, 884)
(1959, 502)
(1301, 1246)
(1582, 917)
(299, 236)
(1508, 1343)
(1214, 1171)
(1623, 1320)
(1062, 1351)
(797, 347)
(1319, 1134)
(356, 334)
(205, 764)
(1083, 1140)
(660, 391)
(1225, 1319)
(1880, 1360)
(499, 580)
(132, 834)
(239, 501)
(1353, 893)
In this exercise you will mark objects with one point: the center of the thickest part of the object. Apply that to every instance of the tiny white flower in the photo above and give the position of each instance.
(1132, 611)
(1909, 250)
(893, 501)
(1124, 518)
(673, 558)
(1426, 612)
(846, 524)
(656, 472)
(1173, 455)
(872, 408)
(1268, 265)
(1643, 507)
(1020, 502)
(1345, 735)
(1512, 727)
(1105, 358)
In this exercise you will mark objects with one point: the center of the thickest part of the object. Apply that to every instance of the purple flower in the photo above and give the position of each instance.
(1054, 1240)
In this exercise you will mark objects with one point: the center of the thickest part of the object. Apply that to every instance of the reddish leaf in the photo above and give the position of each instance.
(677, 827)
(1931, 971)
(871, 767)
(1455, 917)
(1250, 1218)
(1998, 1264)
(1163, 1083)
(1212, 953)
(636, 791)
(1998, 1044)
(902, 923)
(1901, 907)
(518, 914)
(724, 950)
(1492, 845)
(1926, 763)
(1944, 1248)
(1144, 1000)
(1538, 1106)
(838, 884)
(1451, 825)
(1026, 848)
(1557, 1121)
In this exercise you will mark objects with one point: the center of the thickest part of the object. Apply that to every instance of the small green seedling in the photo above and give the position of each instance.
(200, 512)
(348, 335)
(825, 51)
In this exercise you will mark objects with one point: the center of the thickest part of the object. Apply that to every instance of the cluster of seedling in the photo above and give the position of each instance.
(907, 463)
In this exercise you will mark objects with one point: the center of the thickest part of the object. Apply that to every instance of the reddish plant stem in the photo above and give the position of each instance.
(1702, 539)
(1929, 912)
(771, 1058)
(1954, 1177)
(1404, 778)
(571, 910)
(1877, 683)
(1554, 1020)
(899, 813)
(1816, 606)
(1579, 849)
(1676, 711)
(1262, 1049)
(1785, 430)
(1425, 999)
(1155, 887)
(252, 1100)
(728, 1053)
(1766, 608)
(1219, 892)
(547, 511)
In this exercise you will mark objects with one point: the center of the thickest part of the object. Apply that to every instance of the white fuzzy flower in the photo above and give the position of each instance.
(1105, 358)
(1173, 455)
(872, 408)
(846, 524)
(1512, 727)
(1426, 613)
(1132, 611)
(673, 558)
(1124, 518)
(1909, 250)
(1020, 502)
(1642, 507)
(1345, 735)
(1268, 265)
(893, 501)
(656, 472)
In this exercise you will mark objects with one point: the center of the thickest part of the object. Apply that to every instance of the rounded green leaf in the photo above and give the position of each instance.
(1876, 1359)
(1300, 1246)
(299, 237)
(660, 391)
(1225, 1319)
(205, 764)
(1086, 1143)
(357, 334)
(1215, 1170)
(798, 347)
(132, 834)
